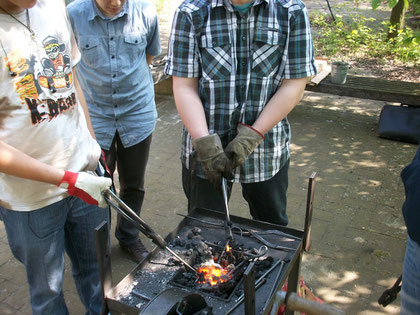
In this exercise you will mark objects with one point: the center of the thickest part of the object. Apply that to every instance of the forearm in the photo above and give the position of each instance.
(189, 106)
(281, 104)
(149, 59)
(17, 163)
(82, 102)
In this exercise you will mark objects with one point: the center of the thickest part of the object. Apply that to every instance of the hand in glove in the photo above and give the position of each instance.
(86, 186)
(214, 161)
(243, 144)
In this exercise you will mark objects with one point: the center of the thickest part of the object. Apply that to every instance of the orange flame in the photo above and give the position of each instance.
(228, 248)
(213, 274)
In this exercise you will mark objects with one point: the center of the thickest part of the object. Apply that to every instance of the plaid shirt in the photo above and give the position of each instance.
(241, 60)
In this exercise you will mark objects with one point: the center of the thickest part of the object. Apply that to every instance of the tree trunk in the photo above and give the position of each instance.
(397, 19)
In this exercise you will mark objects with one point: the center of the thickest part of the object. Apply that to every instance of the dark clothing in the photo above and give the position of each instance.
(267, 200)
(410, 176)
(131, 164)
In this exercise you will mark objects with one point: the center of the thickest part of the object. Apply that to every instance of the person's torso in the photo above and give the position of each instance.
(39, 110)
(116, 78)
(243, 59)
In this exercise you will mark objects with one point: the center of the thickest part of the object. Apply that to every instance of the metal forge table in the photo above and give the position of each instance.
(150, 284)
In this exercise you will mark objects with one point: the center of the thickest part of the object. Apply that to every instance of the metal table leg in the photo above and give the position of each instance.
(103, 252)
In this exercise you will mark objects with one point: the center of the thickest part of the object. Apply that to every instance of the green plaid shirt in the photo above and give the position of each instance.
(240, 61)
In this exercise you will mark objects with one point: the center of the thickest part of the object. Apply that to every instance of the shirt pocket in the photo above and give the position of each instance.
(268, 47)
(134, 46)
(89, 47)
(216, 57)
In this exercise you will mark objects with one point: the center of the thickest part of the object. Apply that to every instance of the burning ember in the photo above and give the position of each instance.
(220, 267)
(212, 274)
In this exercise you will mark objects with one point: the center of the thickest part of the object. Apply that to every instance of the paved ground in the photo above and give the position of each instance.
(358, 232)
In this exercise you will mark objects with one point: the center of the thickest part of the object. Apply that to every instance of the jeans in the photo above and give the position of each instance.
(131, 164)
(267, 200)
(410, 292)
(39, 238)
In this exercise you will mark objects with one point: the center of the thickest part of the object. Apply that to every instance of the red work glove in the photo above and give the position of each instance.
(86, 186)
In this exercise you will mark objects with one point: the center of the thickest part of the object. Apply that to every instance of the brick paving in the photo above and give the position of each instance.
(358, 235)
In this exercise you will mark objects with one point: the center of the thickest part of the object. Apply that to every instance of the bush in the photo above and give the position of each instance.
(357, 36)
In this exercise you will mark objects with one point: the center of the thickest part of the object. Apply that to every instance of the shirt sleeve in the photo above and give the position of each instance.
(153, 38)
(75, 53)
(300, 61)
(183, 58)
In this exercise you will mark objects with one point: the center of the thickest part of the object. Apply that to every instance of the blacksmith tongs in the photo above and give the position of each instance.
(126, 212)
(138, 222)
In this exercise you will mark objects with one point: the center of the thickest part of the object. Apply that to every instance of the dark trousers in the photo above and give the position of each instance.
(266, 200)
(131, 165)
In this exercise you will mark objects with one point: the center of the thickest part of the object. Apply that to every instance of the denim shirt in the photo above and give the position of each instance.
(113, 71)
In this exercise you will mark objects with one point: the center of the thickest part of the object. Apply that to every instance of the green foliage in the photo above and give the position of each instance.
(391, 3)
(414, 6)
(357, 36)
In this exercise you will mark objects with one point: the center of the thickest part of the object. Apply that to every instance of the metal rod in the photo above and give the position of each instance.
(181, 260)
(273, 289)
(143, 227)
(242, 297)
(261, 280)
(225, 198)
(138, 294)
(268, 271)
(199, 220)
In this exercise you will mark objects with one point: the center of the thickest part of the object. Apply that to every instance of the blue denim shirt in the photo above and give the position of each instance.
(113, 71)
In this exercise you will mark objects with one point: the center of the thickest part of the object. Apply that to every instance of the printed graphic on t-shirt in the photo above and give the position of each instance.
(37, 78)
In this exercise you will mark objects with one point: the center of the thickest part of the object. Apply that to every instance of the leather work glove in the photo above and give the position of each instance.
(86, 186)
(243, 144)
(214, 161)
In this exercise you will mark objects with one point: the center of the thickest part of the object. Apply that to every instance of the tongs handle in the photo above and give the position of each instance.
(141, 225)
(228, 223)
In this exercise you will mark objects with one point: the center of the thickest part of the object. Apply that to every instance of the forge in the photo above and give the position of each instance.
(237, 279)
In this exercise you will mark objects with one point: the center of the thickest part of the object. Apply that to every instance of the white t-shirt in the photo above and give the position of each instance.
(50, 127)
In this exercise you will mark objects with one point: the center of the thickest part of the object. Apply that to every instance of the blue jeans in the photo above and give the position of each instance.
(410, 292)
(39, 238)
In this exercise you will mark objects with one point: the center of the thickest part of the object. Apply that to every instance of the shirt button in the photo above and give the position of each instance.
(112, 57)
(112, 38)
(114, 75)
(115, 106)
(87, 46)
(243, 38)
(115, 92)
(116, 119)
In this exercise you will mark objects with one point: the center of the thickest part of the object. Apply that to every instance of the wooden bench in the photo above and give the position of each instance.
(371, 88)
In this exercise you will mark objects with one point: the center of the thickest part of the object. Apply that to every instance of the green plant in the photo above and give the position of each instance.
(357, 36)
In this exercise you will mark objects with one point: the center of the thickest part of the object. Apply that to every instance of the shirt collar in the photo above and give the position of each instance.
(94, 12)
(228, 3)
